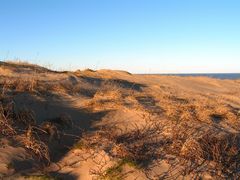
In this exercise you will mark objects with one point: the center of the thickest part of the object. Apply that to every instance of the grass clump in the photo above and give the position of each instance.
(40, 177)
(130, 163)
(115, 172)
(79, 145)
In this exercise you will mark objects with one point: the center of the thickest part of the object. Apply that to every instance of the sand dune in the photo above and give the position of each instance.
(115, 125)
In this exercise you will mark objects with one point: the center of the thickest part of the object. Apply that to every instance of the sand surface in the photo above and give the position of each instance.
(106, 102)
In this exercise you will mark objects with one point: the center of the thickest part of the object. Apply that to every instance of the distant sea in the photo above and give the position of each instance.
(212, 75)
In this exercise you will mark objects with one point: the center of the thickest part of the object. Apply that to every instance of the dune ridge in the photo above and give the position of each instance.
(110, 124)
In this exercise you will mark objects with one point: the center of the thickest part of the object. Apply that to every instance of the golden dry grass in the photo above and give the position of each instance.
(194, 131)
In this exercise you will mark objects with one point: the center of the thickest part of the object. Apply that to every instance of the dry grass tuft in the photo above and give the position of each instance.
(6, 122)
(38, 147)
(27, 135)
(26, 116)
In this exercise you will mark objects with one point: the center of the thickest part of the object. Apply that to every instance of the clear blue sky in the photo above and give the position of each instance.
(141, 36)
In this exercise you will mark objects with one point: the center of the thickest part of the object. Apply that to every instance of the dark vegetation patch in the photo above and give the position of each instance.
(179, 100)
(217, 118)
(149, 103)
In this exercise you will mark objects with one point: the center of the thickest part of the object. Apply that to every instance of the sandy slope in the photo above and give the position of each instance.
(99, 101)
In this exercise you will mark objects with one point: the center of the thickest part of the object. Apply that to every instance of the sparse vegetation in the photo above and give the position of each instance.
(193, 133)
(40, 177)
(79, 145)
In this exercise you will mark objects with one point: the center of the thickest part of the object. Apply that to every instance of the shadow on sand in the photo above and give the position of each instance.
(51, 107)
